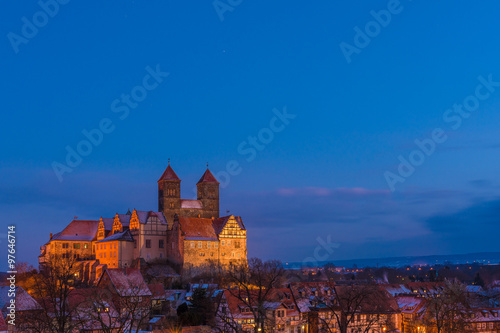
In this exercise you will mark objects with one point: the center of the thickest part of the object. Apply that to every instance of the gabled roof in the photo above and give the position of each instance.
(128, 282)
(220, 223)
(169, 174)
(208, 178)
(120, 236)
(24, 301)
(124, 219)
(108, 223)
(144, 215)
(196, 228)
(410, 304)
(396, 289)
(78, 230)
(157, 290)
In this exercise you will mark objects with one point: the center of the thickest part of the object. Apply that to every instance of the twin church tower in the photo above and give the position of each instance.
(171, 204)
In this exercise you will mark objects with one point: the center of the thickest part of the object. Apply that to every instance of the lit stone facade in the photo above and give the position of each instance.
(186, 232)
(198, 241)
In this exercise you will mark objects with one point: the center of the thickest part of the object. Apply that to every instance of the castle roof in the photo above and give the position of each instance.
(208, 177)
(124, 219)
(169, 174)
(201, 229)
(119, 236)
(78, 230)
(196, 228)
(144, 215)
(195, 204)
(221, 222)
(108, 223)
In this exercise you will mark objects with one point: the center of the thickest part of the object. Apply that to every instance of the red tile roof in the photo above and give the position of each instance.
(24, 301)
(157, 290)
(196, 228)
(79, 230)
(208, 178)
(128, 282)
(125, 236)
(194, 204)
(169, 174)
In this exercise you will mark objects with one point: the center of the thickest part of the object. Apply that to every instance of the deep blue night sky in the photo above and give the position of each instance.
(320, 172)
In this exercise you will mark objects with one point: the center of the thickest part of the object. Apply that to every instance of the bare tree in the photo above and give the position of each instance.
(447, 312)
(363, 307)
(101, 309)
(252, 284)
(52, 288)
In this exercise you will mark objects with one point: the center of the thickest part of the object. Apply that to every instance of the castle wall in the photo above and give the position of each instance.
(60, 248)
(151, 240)
(223, 252)
(200, 252)
(108, 253)
(126, 254)
(232, 250)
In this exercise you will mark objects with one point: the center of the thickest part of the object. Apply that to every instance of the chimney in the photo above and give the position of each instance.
(50, 236)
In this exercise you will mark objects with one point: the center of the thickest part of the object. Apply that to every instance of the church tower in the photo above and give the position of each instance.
(208, 194)
(169, 193)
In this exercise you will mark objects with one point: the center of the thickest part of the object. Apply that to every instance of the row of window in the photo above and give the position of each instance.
(223, 254)
(111, 254)
(482, 326)
(237, 244)
(67, 255)
(208, 245)
(103, 246)
(76, 246)
(161, 243)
